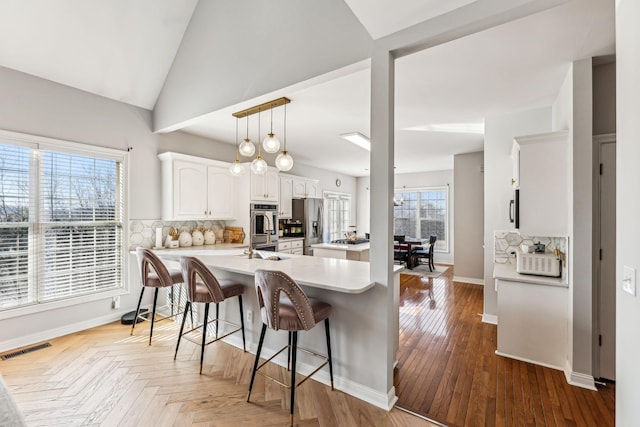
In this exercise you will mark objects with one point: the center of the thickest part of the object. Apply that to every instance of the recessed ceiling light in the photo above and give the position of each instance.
(359, 139)
(451, 127)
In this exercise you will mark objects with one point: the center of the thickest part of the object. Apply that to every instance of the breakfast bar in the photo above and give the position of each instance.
(360, 333)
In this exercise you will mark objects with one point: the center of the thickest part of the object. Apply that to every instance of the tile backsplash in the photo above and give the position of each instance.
(506, 243)
(142, 232)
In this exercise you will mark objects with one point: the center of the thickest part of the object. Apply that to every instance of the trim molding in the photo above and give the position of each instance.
(377, 398)
(524, 359)
(490, 318)
(50, 334)
(471, 280)
(578, 379)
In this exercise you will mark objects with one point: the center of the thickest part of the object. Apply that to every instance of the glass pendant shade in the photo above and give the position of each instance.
(236, 168)
(258, 165)
(247, 149)
(284, 161)
(271, 143)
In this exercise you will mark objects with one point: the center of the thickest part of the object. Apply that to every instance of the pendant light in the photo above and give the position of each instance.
(271, 143)
(236, 167)
(284, 161)
(258, 165)
(247, 149)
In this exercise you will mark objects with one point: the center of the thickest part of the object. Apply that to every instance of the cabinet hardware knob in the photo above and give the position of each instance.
(513, 181)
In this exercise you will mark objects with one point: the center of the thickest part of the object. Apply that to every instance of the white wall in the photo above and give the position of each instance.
(39, 107)
(627, 209)
(411, 180)
(499, 132)
(468, 234)
(228, 55)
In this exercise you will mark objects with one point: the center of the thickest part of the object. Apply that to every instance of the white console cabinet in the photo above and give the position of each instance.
(196, 189)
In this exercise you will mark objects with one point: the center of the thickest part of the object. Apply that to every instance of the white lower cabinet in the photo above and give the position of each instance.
(532, 322)
(291, 246)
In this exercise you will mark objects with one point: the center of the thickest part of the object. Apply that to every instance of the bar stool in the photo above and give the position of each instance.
(155, 275)
(284, 305)
(203, 287)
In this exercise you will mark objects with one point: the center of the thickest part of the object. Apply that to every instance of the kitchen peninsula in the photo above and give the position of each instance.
(364, 343)
(353, 252)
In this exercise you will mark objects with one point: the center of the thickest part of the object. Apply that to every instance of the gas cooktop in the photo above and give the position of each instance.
(350, 242)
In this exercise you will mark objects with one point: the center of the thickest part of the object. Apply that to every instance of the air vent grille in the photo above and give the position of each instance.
(25, 351)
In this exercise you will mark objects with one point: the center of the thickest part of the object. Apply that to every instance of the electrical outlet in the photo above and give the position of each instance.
(115, 302)
(249, 315)
(629, 280)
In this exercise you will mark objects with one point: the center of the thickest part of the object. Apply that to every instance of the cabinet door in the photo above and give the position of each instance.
(221, 190)
(189, 190)
(272, 185)
(515, 164)
(286, 192)
(264, 188)
(311, 189)
(299, 189)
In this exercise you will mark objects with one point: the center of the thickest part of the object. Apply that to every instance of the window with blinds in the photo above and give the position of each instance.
(61, 223)
(338, 214)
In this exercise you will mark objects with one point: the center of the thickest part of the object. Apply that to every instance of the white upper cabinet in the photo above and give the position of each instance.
(543, 184)
(265, 187)
(220, 186)
(195, 188)
(286, 194)
(304, 188)
(515, 164)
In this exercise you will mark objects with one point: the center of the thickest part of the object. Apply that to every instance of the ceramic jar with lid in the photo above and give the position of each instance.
(209, 237)
(197, 237)
(185, 239)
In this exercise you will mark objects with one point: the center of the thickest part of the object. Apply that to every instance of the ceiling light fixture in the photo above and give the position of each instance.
(284, 161)
(247, 149)
(451, 128)
(258, 165)
(236, 167)
(271, 144)
(359, 139)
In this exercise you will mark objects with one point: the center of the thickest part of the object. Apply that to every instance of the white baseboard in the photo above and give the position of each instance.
(468, 280)
(490, 318)
(579, 380)
(50, 334)
(382, 400)
(524, 359)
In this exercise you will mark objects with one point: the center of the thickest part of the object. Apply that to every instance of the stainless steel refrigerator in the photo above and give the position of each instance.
(310, 213)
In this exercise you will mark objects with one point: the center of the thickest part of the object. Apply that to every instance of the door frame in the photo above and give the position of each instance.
(598, 142)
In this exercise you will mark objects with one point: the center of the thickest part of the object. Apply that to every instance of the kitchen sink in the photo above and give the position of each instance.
(267, 255)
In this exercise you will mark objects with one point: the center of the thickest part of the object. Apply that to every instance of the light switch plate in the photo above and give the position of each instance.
(629, 280)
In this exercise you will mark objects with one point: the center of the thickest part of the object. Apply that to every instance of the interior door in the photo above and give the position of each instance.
(607, 270)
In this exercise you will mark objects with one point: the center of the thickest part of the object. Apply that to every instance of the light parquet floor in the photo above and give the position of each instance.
(104, 377)
(448, 369)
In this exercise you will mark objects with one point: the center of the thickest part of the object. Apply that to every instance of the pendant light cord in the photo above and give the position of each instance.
(284, 142)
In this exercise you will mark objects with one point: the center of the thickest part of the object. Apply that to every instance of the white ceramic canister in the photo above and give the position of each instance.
(209, 237)
(197, 237)
(185, 239)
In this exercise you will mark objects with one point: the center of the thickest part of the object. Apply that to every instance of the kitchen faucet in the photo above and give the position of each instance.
(268, 230)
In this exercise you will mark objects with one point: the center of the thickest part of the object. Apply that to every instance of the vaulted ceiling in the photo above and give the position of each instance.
(124, 50)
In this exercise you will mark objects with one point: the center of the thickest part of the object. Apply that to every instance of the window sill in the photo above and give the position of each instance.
(54, 305)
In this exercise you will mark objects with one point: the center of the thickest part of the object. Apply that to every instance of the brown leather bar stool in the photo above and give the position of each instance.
(284, 305)
(155, 275)
(203, 287)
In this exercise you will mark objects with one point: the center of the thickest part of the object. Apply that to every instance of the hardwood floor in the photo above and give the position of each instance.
(104, 377)
(448, 370)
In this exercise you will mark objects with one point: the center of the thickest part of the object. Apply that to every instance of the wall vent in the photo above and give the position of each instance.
(24, 351)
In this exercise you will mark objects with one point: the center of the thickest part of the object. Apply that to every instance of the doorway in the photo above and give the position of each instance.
(605, 351)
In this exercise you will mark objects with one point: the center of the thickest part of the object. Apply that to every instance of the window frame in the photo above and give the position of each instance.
(444, 188)
(326, 195)
(39, 144)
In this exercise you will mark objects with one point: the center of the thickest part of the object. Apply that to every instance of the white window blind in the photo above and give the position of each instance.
(62, 224)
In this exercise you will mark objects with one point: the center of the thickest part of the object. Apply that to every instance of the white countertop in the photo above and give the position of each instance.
(508, 272)
(338, 275)
(342, 247)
